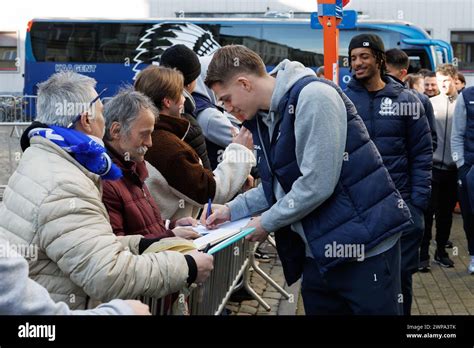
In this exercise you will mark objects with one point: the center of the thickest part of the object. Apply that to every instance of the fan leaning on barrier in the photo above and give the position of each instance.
(233, 260)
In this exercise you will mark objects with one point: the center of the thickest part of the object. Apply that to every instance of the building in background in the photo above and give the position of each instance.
(449, 20)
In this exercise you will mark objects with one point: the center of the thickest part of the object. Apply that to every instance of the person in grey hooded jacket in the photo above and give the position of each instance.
(323, 186)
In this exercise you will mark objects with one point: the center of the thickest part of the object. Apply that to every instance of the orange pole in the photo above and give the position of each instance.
(331, 43)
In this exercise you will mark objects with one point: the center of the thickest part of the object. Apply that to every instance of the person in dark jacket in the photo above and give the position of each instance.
(323, 189)
(397, 66)
(462, 152)
(129, 122)
(185, 60)
(397, 124)
(443, 196)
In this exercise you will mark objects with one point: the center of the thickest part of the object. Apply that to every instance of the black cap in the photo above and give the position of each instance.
(183, 59)
(367, 41)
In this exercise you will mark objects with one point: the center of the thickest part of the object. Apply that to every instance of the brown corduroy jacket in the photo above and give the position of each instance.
(178, 162)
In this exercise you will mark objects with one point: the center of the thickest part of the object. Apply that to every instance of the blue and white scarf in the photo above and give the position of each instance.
(84, 149)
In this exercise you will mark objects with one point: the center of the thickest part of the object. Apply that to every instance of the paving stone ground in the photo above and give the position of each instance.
(443, 291)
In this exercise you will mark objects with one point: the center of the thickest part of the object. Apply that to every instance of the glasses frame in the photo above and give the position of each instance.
(78, 117)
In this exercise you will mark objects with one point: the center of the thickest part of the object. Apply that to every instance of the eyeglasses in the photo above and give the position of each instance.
(78, 117)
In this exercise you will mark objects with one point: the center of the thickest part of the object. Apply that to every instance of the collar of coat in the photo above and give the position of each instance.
(177, 126)
(392, 88)
(135, 171)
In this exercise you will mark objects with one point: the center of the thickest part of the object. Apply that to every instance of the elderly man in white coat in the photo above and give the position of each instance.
(53, 202)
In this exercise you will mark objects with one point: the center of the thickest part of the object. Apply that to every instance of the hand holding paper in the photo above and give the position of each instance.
(260, 234)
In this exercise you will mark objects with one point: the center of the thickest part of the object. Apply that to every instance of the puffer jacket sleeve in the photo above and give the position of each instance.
(420, 156)
(74, 232)
(113, 201)
(231, 173)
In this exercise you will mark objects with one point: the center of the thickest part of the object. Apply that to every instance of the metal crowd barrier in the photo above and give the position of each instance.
(232, 267)
(16, 113)
(17, 108)
(210, 298)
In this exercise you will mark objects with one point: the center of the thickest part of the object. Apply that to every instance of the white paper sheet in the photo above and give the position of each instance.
(224, 231)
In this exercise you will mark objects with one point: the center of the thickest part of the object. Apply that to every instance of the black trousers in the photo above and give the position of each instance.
(467, 215)
(443, 201)
(369, 287)
(410, 245)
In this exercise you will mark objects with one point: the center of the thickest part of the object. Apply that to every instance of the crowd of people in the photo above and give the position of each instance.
(371, 166)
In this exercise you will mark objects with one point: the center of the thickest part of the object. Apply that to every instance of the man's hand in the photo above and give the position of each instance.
(204, 263)
(244, 138)
(260, 234)
(186, 221)
(138, 307)
(186, 233)
(220, 214)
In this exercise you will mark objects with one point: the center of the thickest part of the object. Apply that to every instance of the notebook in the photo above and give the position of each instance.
(226, 230)
(212, 237)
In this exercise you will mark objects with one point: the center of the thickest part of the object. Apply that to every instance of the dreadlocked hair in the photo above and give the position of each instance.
(381, 58)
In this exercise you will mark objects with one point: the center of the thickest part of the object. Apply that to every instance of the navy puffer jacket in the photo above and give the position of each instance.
(398, 126)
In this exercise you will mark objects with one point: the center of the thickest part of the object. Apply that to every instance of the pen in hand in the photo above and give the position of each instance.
(209, 208)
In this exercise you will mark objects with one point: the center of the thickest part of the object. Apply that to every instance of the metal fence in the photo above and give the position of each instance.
(232, 267)
(17, 108)
(16, 113)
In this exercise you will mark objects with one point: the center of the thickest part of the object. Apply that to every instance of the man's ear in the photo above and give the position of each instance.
(85, 122)
(403, 73)
(114, 131)
(245, 83)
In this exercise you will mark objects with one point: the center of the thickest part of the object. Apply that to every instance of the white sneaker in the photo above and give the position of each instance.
(470, 268)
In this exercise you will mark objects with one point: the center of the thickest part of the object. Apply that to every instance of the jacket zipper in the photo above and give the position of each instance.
(263, 148)
(372, 118)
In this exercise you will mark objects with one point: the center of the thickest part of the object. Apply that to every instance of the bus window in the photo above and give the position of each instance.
(390, 39)
(85, 42)
(418, 60)
(230, 34)
(298, 43)
(8, 51)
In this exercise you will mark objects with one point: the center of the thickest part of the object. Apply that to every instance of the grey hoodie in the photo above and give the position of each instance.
(216, 126)
(444, 109)
(320, 134)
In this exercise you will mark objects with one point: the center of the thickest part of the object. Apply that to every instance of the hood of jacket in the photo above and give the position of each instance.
(201, 87)
(287, 73)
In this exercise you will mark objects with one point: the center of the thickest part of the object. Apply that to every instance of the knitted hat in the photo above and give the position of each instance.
(367, 41)
(183, 59)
